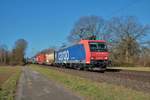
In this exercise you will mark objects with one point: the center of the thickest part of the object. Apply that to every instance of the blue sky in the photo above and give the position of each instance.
(45, 23)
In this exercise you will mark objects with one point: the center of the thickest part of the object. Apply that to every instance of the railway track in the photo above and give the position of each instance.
(135, 80)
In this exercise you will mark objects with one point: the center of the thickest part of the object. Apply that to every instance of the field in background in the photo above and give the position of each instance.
(132, 68)
(8, 81)
(89, 89)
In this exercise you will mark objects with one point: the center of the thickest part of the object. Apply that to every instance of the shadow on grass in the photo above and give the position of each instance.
(113, 70)
(107, 70)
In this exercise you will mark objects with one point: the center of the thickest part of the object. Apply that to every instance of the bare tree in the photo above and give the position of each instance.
(145, 56)
(48, 50)
(3, 54)
(86, 27)
(128, 33)
(18, 52)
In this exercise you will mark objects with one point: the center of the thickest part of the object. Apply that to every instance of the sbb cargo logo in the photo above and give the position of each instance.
(64, 55)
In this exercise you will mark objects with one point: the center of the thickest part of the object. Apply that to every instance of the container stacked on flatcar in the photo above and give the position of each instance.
(40, 58)
(49, 58)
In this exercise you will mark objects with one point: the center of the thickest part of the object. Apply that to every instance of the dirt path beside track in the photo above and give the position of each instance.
(34, 86)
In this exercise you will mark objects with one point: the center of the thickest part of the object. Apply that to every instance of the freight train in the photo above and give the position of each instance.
(87, 54)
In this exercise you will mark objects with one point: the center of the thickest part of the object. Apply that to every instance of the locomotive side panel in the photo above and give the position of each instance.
(72, 54)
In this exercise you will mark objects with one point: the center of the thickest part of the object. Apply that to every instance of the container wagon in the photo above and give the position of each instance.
(49, 58)
(40, 58)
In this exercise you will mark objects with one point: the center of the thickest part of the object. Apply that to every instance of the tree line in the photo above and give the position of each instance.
(125, 37)
(14, 56)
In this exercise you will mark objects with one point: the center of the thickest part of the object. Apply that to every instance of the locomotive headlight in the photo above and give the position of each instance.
(92, 57)
(105, 57)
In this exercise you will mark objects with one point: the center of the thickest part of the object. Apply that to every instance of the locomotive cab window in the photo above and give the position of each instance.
(97, 47)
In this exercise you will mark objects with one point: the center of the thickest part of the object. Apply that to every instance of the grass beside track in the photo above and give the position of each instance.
(8, 82)
(147, 69)
(89, 89)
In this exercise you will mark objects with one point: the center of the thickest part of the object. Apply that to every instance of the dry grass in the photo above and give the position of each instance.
(8, 81)
(5, 73)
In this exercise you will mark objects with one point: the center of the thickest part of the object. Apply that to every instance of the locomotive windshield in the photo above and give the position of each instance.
(97, 47)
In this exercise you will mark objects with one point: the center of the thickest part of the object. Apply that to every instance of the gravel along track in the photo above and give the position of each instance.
(135, 80)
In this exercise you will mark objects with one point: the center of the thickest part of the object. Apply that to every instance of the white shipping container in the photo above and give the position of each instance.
(50, 58)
